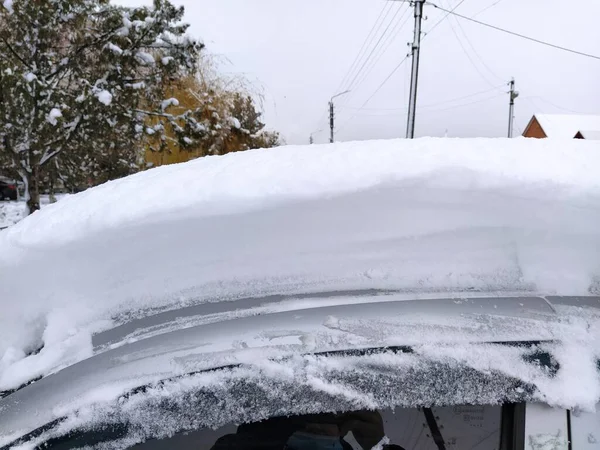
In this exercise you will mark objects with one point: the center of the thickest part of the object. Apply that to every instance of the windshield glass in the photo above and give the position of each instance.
(461, 427)
(458, 427)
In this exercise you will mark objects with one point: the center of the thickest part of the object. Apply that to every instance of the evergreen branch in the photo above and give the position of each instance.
(81, 49)
(47, 156)
(16, 55)
(156, 114)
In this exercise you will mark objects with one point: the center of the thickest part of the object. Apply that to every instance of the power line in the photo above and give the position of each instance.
(351, 86)
(475, 94)
(386, 45)
(443, 18)
(483, 77)
(392, 74)
(552, 104)
(477, 55)
(486, 8)
(367, 42)
(394, 70)
(531, 102)
(432, 105)
(368, 114)
(466, 104)
(462, 105)
(360, 52)
(376, 91)
(385, 81)
(475, 52)
(516, 34)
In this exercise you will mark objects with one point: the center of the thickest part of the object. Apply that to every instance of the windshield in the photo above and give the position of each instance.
(458, 427)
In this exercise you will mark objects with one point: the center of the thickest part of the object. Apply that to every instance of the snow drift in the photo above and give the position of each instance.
(422, 216)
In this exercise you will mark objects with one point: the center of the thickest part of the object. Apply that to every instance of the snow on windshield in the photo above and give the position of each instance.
(474, 374)
(429, 215)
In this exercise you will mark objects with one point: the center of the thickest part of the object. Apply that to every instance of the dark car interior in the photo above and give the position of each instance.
(438, 428)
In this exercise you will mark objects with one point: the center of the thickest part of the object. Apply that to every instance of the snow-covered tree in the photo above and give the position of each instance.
(249, 131)
(80, 81)
(227, 113)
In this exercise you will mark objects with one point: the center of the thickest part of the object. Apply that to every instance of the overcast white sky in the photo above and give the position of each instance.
(298, 52)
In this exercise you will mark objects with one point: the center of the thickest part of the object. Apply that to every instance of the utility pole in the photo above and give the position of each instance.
(332, 116)
(414, 77)
(331, 122)
(511, 110)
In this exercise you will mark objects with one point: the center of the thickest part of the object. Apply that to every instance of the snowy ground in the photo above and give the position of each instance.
(13, 212)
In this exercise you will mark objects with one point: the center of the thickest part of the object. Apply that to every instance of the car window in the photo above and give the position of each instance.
(463, 427)
(585, 430)
(546, 428)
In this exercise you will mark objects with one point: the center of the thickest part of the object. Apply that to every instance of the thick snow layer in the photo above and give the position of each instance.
(260, 179)
(430, 215)
(566, 126)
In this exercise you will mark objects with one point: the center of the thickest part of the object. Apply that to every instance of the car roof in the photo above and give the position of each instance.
(276, 310)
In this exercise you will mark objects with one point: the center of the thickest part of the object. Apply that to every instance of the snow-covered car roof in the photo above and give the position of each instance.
(124, 270)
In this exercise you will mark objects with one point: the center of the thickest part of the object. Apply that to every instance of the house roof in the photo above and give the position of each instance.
(568, 125)
(591, 134)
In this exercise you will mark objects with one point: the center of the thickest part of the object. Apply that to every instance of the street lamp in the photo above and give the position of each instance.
(332, 115)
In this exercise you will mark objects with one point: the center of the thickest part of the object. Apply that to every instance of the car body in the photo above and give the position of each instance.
(389, 295)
